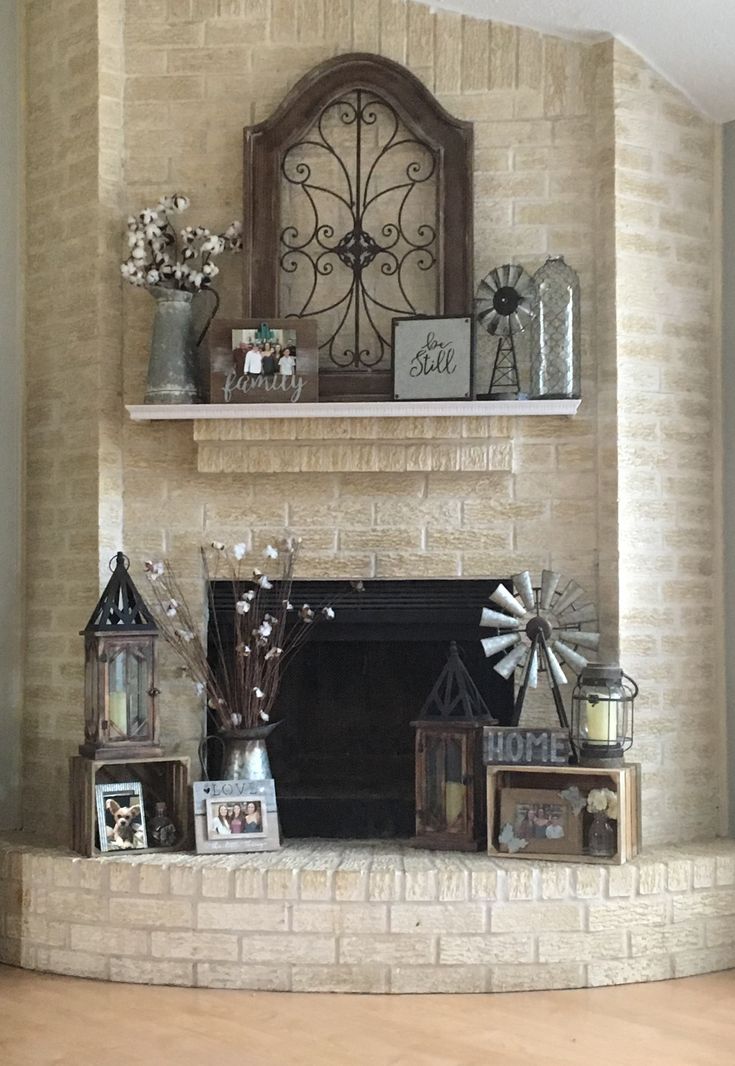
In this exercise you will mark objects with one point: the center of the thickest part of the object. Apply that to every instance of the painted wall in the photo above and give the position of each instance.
(11, 407)
(728, 419)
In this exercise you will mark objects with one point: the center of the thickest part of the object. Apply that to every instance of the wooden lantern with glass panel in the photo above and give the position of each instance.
(120, 719)
(450, 776)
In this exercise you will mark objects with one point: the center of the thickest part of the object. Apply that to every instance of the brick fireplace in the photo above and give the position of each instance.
(579, 148)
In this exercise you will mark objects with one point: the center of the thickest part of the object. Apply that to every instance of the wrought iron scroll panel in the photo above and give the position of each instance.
(359, 229)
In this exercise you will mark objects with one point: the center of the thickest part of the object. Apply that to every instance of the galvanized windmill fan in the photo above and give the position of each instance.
(505, 304)
(539, 629)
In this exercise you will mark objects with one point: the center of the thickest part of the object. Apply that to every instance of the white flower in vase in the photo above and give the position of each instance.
(328, 613)
(265, 717)
(264, 582)
(153, 570)
(172, 608)
(259, 694)
(270, 552)
(306, 613)
(153, 277)
(265, 629)
(210, 270)
(217, 545)
(242, 606)
(239, 550)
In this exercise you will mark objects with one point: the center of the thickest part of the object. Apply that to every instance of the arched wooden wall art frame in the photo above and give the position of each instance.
(358, 85)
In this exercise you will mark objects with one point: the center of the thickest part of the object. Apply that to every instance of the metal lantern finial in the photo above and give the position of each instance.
(121, 607)
(455, 696)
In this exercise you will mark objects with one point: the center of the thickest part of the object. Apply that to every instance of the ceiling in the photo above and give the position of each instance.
(690, 42)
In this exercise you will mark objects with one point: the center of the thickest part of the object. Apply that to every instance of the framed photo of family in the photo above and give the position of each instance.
(235, 816)
(432, 357)
(264, 361)
(539, 822)
(120, 817)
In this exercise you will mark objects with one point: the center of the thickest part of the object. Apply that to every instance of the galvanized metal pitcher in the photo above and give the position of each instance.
(244, 753)
(173, 372)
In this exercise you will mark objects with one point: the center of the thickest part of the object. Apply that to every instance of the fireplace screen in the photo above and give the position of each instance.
(343, 757)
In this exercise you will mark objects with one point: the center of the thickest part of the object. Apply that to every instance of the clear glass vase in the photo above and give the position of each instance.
(555, 332)
(602, 836)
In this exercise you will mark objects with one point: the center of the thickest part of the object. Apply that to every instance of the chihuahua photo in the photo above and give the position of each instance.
(127, 831)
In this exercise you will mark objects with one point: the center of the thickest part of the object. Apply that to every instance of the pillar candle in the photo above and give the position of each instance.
(602, 722)
(118, 711)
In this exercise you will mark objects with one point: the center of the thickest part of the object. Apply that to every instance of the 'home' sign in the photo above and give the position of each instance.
(526, 747)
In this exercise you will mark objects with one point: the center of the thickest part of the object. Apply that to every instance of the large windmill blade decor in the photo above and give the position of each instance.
(540, 629)
(505, 303)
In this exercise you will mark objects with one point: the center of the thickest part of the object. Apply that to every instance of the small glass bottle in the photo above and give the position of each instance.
(601, 836)
(162, 829)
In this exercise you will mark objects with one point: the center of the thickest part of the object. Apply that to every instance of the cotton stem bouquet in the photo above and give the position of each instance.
(251, 648)
(159, 254)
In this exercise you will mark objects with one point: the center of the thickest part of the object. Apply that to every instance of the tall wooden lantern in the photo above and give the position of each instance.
(120, 718)
(450, 778)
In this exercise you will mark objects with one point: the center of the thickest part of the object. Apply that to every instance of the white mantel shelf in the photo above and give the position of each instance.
(382, 409)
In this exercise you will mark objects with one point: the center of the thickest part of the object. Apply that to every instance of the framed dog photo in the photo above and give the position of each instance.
(538, 822)
(256, 361)
(120, 817)
(432, 358)
(234, 816)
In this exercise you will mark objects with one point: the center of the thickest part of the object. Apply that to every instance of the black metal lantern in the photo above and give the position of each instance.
(450, 780)
(120, 719)
(602, 715)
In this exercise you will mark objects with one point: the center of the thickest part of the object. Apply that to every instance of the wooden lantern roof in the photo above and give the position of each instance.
(121, 608)
(455, 697)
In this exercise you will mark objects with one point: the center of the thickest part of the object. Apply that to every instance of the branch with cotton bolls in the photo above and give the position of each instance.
(161, 255)
(251, 648)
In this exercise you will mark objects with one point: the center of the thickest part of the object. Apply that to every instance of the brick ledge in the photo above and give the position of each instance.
(322, 916)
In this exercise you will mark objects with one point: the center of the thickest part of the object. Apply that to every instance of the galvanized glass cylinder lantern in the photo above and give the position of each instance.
(120, 718)
(450, 780)
(555, 333)
(602, 715)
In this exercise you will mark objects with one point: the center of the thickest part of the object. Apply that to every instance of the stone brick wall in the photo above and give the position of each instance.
(172, 85)
(377, 918)
(667, 369)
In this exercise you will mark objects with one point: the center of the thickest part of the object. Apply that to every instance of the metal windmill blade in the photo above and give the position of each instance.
(545, 623)
(505, 301)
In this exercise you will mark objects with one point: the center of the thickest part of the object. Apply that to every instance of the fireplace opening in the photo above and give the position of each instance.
(343, 755)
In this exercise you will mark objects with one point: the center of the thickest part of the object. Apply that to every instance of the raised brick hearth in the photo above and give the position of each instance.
(368, 918)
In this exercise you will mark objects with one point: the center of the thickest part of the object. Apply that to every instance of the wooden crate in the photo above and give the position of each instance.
(164, 780)
(624, 781)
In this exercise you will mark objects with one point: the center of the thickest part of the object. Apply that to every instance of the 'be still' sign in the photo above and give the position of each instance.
(432, 358)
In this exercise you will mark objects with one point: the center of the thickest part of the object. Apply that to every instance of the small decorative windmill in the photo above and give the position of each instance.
(505, 304)
(537, 627)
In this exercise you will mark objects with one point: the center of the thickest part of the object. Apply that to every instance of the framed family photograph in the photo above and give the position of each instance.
(264, 361)
(539, 822)
(120, 817)
(232, 816)
(432, 358)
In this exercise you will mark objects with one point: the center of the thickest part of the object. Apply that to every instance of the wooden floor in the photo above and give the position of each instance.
(47, 1020)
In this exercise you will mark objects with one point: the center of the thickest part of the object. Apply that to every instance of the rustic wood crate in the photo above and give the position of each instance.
(624, 781)
(164, 780)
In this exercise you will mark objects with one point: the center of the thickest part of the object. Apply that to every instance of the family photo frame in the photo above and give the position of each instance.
(538, 822)
(235, 816)
(432, 357)
(257, 360)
